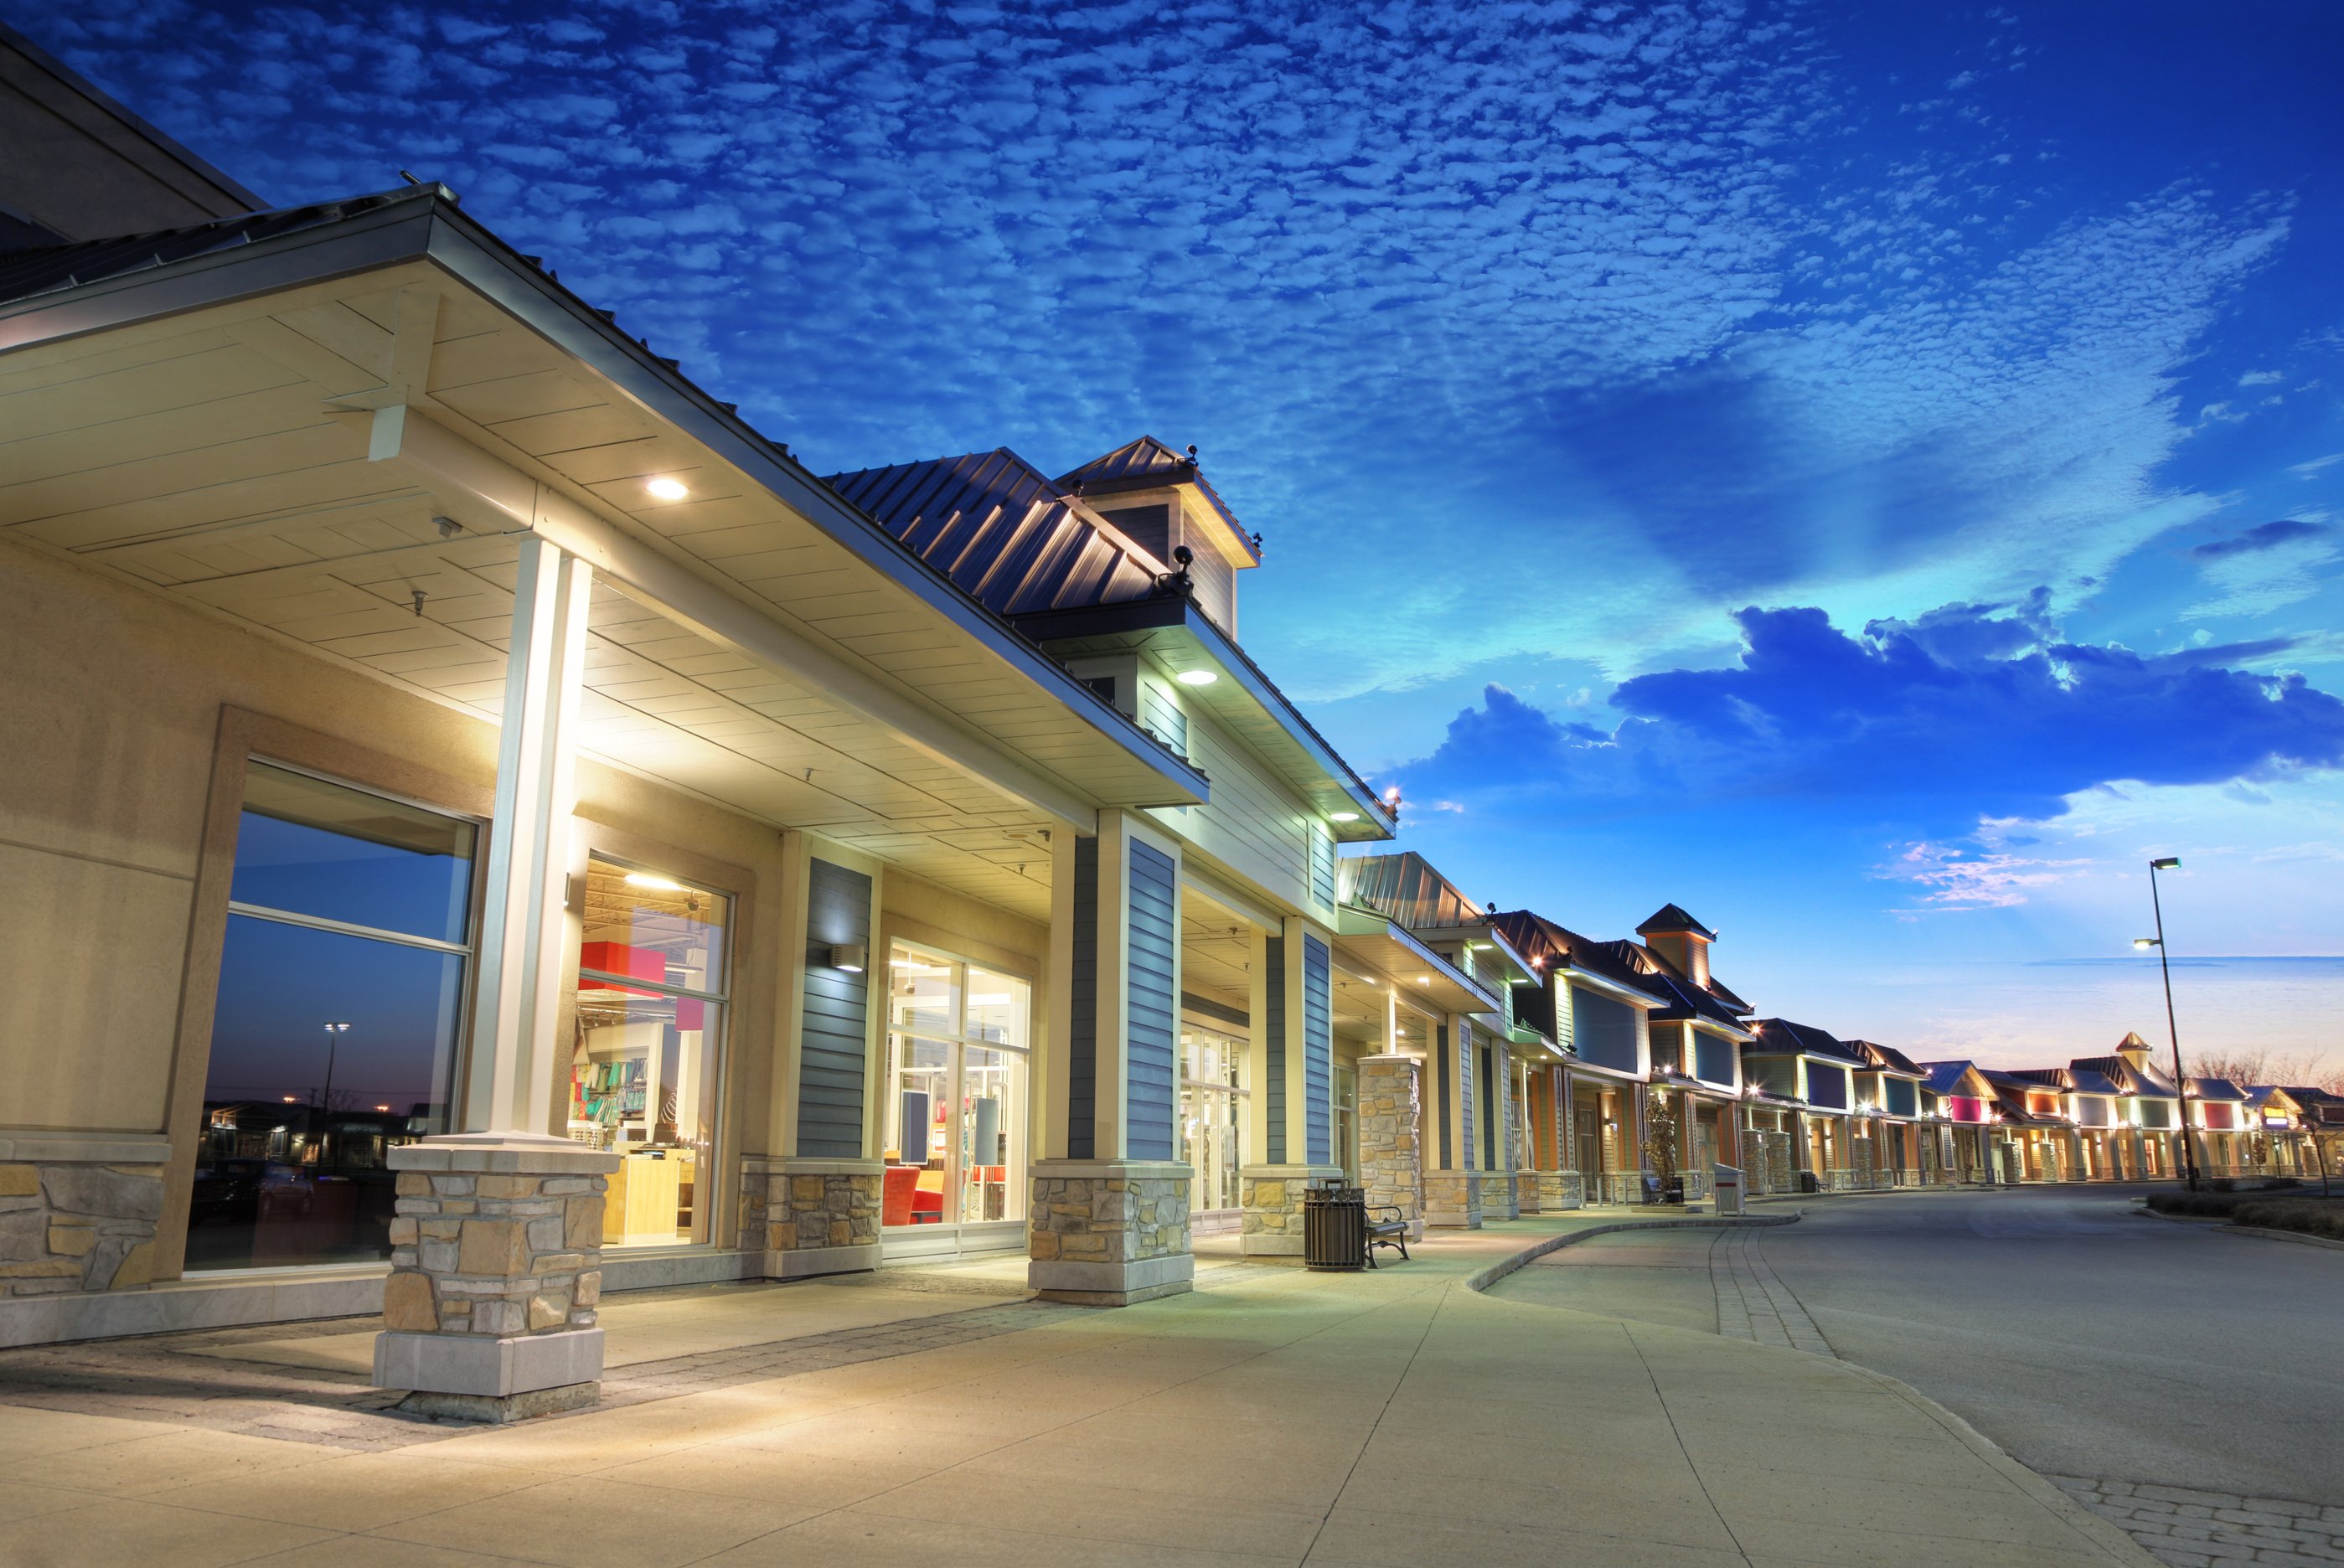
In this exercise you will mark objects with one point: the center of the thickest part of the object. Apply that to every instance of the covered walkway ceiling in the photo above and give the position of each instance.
(220, 456)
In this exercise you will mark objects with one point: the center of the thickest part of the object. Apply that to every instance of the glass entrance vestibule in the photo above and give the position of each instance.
(958, 1115)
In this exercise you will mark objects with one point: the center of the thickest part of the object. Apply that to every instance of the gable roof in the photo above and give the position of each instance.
(2215, 1089)
(1883, 1058)
(1943, 1078)
(1148, 464)
(1669, 919)
(1555, 947)
(1784, 1037)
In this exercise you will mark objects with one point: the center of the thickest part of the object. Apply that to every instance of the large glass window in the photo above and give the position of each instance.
(334, 1035)
(646, 1054)
(958, 1048)
(1212, 1117)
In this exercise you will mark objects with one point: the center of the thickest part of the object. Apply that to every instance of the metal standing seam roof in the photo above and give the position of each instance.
(1008, 535)
(2140, 1083)
(2217, 1090)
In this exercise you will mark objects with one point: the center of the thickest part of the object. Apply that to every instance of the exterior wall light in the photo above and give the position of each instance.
(850, 956)
(664, 489)
(1197, 677)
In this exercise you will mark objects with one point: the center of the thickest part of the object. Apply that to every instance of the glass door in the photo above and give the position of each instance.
(955, 1124)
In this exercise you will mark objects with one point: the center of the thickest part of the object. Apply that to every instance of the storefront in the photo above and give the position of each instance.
(958, 1112)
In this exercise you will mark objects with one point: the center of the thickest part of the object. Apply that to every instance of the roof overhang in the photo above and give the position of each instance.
(419, 239)
(1604, 984)
(1418, 974)
(1181, 637)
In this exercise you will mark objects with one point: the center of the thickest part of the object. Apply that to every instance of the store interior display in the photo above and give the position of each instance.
(645, 1051)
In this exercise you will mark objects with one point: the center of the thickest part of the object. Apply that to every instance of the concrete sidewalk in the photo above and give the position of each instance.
(1394, 1418)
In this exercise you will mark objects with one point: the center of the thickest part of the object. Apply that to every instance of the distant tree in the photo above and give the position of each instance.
(2244, 1066)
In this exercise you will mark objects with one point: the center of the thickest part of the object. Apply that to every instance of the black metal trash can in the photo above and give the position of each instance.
(1334, 1228)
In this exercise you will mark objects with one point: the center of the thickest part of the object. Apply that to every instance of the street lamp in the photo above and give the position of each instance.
(2173, 1029)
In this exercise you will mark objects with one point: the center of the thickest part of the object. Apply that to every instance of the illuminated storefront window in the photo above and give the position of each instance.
(1213, 1097)
(648, 1047)
(958, 1052)
(334, 1030)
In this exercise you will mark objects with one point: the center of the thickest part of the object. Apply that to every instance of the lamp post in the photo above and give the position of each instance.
(334, 1033)
(2173, 1029)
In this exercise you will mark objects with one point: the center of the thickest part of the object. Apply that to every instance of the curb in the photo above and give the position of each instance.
(1500, 1270)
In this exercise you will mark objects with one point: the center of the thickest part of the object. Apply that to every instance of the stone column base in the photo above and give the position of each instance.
(1273, 1207)
(812, 1216)
(1498, 1199)
(1109, 1233)
(489, 1313)
(1560, 1191)
(1528, 1197)
(1452, 1199)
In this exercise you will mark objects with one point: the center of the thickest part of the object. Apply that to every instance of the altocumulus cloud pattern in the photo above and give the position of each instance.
(1323, 241)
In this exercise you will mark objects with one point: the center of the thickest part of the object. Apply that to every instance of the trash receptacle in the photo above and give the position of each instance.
(1334, 1228)
(1807, 1182)
(1726, 1182)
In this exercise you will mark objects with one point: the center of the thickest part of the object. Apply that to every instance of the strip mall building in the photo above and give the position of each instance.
(488, 828)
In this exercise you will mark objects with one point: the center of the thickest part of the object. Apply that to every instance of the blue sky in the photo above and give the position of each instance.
(1872, 474)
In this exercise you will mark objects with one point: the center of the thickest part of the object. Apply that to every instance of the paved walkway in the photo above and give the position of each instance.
(1396, 1418)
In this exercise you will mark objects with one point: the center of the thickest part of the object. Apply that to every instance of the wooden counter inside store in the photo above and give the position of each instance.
(648, 1193)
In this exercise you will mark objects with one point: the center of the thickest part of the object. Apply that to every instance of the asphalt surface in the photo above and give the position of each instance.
(2085, 1339)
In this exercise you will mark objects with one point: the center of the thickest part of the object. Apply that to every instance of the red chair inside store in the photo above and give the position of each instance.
(912, 1195)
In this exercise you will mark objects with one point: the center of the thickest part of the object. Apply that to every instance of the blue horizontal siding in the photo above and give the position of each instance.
(1317, 1053)
(1152, 1005)
(836, 1019)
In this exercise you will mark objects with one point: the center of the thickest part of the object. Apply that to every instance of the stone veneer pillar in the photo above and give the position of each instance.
(1392, 1135)
(1453, 1199)
(496, 1270)
(812, 1216)
(1109, 1233)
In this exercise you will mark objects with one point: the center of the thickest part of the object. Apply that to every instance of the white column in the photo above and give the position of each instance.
(509, 1080)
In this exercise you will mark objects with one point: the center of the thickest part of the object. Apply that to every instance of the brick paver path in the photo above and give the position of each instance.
(2184, 1528)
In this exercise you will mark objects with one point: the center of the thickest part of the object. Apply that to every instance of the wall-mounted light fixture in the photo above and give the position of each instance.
(851, 956)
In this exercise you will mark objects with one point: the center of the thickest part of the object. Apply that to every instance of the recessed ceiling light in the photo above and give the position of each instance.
(667, 488)
(1195, 677)
(1342, 816)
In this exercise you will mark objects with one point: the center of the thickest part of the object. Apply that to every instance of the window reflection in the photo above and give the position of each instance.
(1212, 1117)
(334, 1029)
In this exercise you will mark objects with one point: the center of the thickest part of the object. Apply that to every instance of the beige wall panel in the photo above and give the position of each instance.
(92, 991)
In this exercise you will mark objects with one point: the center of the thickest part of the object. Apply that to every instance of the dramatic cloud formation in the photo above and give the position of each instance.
(1968, 711)
(1689, 275)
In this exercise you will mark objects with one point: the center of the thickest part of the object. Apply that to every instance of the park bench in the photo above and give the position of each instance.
(1387, 1227)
